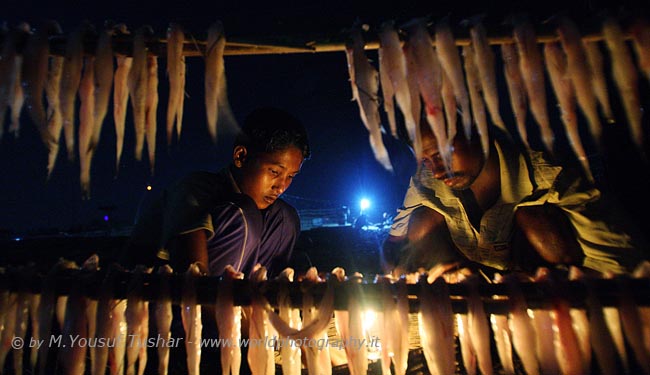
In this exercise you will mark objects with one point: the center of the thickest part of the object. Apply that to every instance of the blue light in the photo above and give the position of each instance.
(364, 204)
(105, 217)
(18, 239)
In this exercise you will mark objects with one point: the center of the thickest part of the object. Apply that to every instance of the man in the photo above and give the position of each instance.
(234, 217)
(513, 211)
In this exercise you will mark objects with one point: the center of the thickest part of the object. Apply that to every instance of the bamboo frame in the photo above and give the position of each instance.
(494, 296)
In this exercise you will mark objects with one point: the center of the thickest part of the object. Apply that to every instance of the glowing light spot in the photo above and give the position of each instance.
(149, 188)
(106, 217)
(364, 204)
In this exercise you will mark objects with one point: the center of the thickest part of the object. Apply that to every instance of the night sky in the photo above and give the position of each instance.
(314, 87)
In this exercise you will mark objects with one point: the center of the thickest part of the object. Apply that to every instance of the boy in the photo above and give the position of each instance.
(234, 217)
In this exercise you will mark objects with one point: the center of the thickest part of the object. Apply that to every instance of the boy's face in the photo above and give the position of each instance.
(265, 176)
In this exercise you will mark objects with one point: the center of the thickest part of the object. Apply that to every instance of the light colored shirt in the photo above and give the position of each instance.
(525, 182)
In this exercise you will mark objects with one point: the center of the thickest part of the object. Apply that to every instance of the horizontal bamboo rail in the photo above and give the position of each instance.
(494, 296)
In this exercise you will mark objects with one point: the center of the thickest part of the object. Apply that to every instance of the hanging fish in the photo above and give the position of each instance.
(34, 77)
(450, 62)
(73, 357)
(387, 89)
(532, 73)
(641, 40)
(120, 100)
(34, 306)
(163, 313)
(176, 73)
(104, 317)
(228, 318)
(7, 73)
(556, 66)
(137, 322)
(260, 357)
(478, 110)
(151, 107)
(191, 316)
(364, 80)
(394, 61)
(290, 353)
(581, 76)
(502, 336)
(46, 307)
(428, 74)
(86, 123)
(483, 53)
(414, 92)
(516, 89)
(626, 78)
(601, 338)
(9, 327)
(91, 265)
(137, 84)
(214, 75)
(479, 330)
(17, 100)
(543, 323)
(449, 101)
(70, 81)
(436, 326)
(642, 270)
(567, 347)
(632, 324)
(103, 82)
(580, 323)
(118, 337)
(595, 60)
(521, 326)
(22, 319)
(54, 115)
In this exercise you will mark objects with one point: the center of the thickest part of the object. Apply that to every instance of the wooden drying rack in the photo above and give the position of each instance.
(494, 296)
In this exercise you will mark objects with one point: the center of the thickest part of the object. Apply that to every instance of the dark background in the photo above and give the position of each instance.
(315, 87)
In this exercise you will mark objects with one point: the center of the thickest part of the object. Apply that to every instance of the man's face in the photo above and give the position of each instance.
(265, 176)
(466, 161)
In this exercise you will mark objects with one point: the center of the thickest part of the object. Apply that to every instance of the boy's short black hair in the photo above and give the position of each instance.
(273, 129)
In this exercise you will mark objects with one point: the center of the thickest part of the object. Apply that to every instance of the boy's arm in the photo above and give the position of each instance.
(191, 248)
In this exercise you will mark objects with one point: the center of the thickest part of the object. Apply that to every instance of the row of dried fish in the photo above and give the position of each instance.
(412, 73)
(557, 338)
(32, 76)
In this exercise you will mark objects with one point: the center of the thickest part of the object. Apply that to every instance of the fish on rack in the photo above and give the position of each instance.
(556, 66)
(191, 317)
(580, 323)
(521, 325)
(516, 89)
(120, 102)
(640, 31)
(34, 77)
(486, 71)
(364, 80)
(260, 357)
(7, 74)
(70, 80)
(450, 62)
(393, 66)
(289, 351)
(54, 114)
(436, 326)
(532, 73)
(477, 326)
(91, 265)
(176, 73)
(228, 317)
(72, 354)
(595, 63)
(163, 315)
(18, 99)
(580, 73)
(151, 108)
(137, 84)
(478, 109)
(86, 123)
(103, 317)
(543, 323)
(502, 336)
(428, 75)
(625, 77)
(103, 81)
(137, 322)
(215, 76)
